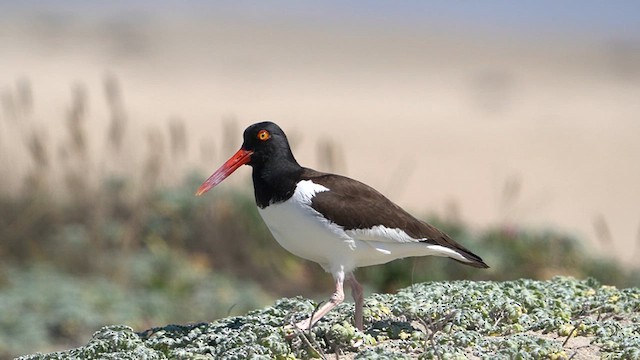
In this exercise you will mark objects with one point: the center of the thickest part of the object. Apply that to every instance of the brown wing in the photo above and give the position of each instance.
(354, 205)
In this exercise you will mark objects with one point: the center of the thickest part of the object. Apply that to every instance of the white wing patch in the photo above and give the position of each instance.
(381, 233)
(306, 190)
(385, 239)
(439, 250)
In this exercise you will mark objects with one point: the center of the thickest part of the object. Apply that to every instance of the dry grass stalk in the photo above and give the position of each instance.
(153, 164)
(117, 115)
(36, 179)
(603, 233)
(330, 156)
(177, 138)
(76, 119)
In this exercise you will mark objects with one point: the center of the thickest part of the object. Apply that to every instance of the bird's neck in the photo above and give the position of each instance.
(275, 182)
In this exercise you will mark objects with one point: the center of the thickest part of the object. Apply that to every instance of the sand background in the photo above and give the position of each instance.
(527, 129)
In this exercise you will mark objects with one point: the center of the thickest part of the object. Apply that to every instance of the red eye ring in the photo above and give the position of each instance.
(263, 135)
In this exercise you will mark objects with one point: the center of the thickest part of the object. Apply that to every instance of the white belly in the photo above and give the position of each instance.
(302, 231)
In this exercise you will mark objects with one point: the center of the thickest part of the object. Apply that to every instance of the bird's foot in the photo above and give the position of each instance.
(359, 325)
(304, 325)
(292, 330)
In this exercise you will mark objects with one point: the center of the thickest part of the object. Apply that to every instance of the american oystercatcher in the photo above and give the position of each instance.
(338, 222)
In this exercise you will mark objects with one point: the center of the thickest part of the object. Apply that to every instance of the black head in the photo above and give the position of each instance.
(267, 150)
(268, 144)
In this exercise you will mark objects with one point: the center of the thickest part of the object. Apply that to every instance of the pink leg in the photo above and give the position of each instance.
(335, 300)
(357, 293)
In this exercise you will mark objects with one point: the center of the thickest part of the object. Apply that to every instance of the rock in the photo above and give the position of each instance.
(557, 319)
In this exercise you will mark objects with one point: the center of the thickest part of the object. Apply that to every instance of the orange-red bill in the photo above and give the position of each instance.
(238, 159)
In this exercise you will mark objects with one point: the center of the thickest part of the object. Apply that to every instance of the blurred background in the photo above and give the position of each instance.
(513, 126)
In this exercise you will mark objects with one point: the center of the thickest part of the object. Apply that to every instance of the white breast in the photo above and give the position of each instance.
(305, 232)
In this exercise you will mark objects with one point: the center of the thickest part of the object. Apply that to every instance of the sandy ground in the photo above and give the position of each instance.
(524, 130)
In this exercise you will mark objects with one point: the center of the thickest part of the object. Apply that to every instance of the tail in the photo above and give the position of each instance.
(455, 251)
(471, 259)
(449, 247)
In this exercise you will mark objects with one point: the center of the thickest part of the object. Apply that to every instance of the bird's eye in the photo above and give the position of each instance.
(263, 135)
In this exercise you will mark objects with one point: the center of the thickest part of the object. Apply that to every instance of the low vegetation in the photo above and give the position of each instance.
(524, 319)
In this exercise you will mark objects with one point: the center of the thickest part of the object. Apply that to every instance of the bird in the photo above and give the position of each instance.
(338, 222)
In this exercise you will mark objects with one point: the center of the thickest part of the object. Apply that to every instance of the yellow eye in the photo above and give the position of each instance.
(263, 135)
